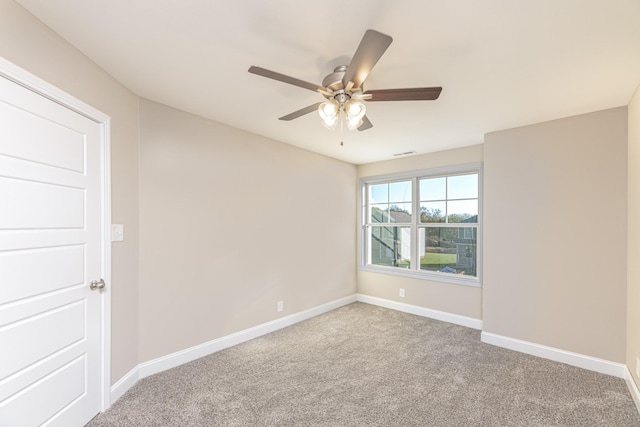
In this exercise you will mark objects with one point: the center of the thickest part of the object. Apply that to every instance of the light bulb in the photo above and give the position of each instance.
(354, 109)
(328, 112)
(330, 122)
(328, 109)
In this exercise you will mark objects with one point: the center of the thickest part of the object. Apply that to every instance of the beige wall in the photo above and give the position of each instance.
(231, 223)
(456, 299)
(555, 233)
(28, 43)
(633, 236)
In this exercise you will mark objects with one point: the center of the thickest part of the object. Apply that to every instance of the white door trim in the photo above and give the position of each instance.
(30, 81)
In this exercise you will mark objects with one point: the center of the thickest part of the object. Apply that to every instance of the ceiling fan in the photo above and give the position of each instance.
(343, 89)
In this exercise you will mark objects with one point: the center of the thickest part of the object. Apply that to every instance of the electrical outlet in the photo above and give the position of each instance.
(117, 232)
(401, 293)
(638, 367)
(280, 306)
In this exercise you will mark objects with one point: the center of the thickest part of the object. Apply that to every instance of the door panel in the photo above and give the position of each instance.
(43, 270)
(38, 137)
(31, 205)
(54, 393)
(50, 250)
(47, 333)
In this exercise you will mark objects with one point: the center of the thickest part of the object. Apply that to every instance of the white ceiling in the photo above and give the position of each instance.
(502, 63)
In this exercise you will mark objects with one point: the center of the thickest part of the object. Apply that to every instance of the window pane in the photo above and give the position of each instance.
(432, 211)
(449, 250)
(463, 187)
(397, 213)
(390, 246)
(400, 212)
(400, 191)
(379, 193)
(462, 211)
(433, 189)
(378, 213)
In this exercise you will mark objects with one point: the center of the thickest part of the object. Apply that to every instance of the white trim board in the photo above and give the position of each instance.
(633, 388)
(187, 355)
(125, 383)
(574, 359)
(456, 319)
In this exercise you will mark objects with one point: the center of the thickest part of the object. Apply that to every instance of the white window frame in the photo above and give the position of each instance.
(415, 177)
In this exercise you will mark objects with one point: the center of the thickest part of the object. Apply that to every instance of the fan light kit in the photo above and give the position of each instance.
(343, 88)
(331, 111)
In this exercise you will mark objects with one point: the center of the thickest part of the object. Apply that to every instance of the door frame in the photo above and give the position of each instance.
(26, 79)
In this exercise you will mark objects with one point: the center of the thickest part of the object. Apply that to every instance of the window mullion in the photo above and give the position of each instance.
(446, 200)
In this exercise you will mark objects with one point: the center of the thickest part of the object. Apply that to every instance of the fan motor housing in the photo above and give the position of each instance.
(334, 80)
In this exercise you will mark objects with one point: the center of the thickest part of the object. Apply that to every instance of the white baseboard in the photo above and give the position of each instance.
(457, 319)
(633, 388)
(124, 384)
(187, 355)
(574, 359)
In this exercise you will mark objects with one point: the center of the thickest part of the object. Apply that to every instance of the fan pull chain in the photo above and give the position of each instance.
(341, 128)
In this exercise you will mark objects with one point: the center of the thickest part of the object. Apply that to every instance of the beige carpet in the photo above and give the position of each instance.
(363, 365)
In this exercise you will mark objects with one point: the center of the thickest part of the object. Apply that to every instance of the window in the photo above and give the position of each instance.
(425, 224)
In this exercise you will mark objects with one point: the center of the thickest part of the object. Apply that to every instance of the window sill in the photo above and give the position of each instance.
(423, 275)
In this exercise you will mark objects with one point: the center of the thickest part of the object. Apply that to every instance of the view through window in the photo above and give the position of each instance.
(424, 223)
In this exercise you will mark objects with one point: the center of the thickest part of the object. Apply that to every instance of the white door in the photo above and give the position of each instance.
(50, 251)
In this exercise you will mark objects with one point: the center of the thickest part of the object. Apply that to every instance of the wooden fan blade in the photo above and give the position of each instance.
(371, 48)
(366, 124)
(300, 112)
(283, 78)
(413, 94)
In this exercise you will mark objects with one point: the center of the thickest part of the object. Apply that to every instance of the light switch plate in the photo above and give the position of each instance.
(117, 232)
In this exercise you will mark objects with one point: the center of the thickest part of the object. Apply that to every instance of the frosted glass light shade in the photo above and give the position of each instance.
(354, 109)
(328, 110)
(353, 122)
(330, 122)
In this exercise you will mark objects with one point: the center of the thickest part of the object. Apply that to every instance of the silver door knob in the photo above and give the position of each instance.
(97, 284)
